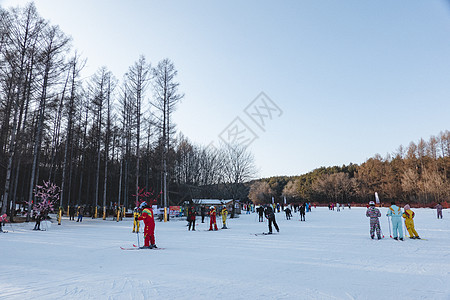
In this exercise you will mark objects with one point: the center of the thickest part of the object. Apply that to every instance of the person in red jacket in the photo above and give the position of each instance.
(212, 218)
(149, 229)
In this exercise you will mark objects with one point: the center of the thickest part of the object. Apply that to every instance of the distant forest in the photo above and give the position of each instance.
(418, 174)
(101, 140)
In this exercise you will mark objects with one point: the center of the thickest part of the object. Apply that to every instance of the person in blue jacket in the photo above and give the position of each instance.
(395, 213)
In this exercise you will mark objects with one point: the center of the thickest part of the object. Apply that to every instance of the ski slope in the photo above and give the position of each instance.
(330, 256)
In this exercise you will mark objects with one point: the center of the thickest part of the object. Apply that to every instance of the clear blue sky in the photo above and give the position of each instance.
(353, 78)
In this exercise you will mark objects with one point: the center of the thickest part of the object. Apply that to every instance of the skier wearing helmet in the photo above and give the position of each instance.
(374, 213)
(149, 229)
(212, 218)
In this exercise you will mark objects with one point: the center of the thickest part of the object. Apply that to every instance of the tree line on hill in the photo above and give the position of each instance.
(418, 174)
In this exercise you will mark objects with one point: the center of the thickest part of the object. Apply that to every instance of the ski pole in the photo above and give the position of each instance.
(389, 223)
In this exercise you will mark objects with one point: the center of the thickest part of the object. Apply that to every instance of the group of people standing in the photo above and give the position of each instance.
(192, 213)
(396, 214)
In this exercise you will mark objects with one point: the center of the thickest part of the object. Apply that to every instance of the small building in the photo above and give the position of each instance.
(218, 203)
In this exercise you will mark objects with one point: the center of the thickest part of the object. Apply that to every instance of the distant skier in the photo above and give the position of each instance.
(71, 213)
(37, 217)
(302, 212)
(409, 222)
(338, 207)
(270, 215)
(439, 210)
(260, 211)
(287, 211)
(374, 213)
(203, 213)
(149, 229)
(191, 216)
(212, 218)
(80, 214)
(2, 221)
(396, 217)
(136, 214)
(224, 213)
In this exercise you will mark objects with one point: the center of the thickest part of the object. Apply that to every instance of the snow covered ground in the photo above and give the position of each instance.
(330, 256)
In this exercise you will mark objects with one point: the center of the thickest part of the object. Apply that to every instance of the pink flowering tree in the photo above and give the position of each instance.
(145, 196)
(47, 195)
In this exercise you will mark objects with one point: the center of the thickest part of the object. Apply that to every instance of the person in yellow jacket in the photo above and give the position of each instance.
(224, 213)
(136, 214)
(409, 222)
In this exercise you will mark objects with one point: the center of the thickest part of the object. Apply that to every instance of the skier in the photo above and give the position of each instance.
(2, 221)
(71, 213)
(396, 217)
(191, 216)
(409, 222)
(338, 206)
(439, 210)
(80, 214)
(260, 211)
(374, 213)
(149, 229)
(224, 213)
(136, 214)
(203, 213)
(270, 215)
(37, 218)
(302, 212)
(287, 210)
(212, 218)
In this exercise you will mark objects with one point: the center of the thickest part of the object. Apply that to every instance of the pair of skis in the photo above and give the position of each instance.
(140, 248)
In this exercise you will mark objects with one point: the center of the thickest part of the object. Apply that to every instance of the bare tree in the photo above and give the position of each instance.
(239, 167)
(138, 77)
(166, 98)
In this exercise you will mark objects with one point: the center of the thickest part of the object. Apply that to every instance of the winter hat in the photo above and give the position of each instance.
(407, 207)
(143, 204)
(372, 203)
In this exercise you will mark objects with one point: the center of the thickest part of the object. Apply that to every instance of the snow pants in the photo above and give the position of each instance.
(410, 227)
(439, 214)
(272, 220)
(261, 218)
(397, 227)
(191, 224)
(375, 226)
(224, 220)
(302, 217)
(212, 221)
(149, 235)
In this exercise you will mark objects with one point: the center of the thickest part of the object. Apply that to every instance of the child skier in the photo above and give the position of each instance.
(396, 216)
(149, 229)
(224, 213)
(271, 217)
(374, 213)
(136, 214)
(212, 218)
(409, 222)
